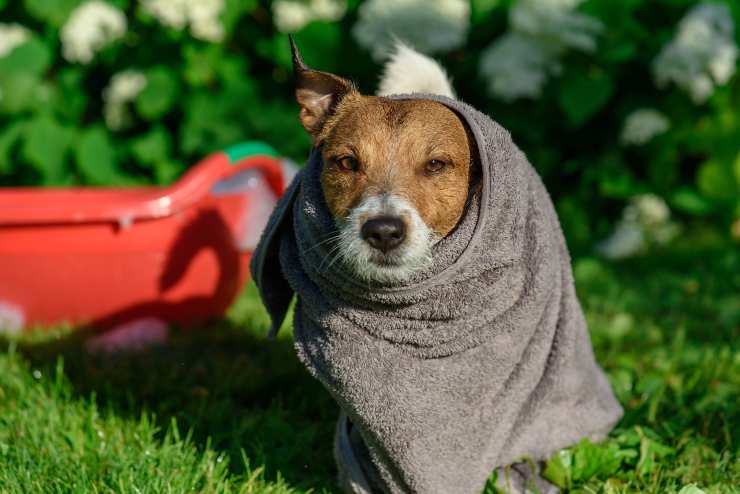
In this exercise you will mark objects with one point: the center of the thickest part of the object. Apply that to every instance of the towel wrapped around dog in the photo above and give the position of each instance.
(480, 360)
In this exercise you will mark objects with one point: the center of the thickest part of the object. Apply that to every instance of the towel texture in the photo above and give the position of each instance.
(482, 359)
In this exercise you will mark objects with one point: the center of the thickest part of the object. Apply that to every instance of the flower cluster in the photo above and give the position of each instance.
(702, 54)
(292, 15)
(12, 35)
(519, 63)
(430, 26)
(645, 221)
(90, 27)
(123, 88)
(203, 16)
(556, 22)
(642, 125)
(517, 66)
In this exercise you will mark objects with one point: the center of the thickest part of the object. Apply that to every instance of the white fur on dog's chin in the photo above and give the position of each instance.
(414, 254)
(408, 71)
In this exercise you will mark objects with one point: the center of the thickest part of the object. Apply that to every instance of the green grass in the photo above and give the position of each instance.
(220, 409)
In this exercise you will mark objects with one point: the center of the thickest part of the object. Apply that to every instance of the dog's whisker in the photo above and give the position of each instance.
(318, 244)
(334, 250)
(328, 267)
(324, 261)
(336, 257)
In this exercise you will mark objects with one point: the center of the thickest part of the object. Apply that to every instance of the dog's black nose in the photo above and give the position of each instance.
(384, 232)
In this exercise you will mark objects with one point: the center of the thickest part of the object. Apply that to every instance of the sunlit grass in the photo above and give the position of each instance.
(220, 409)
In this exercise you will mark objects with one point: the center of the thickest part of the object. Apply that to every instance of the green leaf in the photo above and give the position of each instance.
(20, 76)
(322, 42)
(618, 183)
(558, 468)
(32, 57)
(23, 86)
(689, 201)
(715, 180)
(69, 101)
(480, 9)
(45, 147)
(53, 12)
(208, 138)
(9, 137)
(592, 460)
(152, 147)
(167, 171)
(231, 70)
(159, 95)
(96, 157)
(583, 94)
(651, 451)
(575, 223)
(201, 63)
(212, 122)
(490, 487)
(276, 49)
(233, 11)
(621, 52)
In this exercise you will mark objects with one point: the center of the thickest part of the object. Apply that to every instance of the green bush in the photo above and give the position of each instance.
(193, 86)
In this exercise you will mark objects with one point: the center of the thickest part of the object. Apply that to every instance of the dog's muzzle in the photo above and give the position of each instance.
(384, 233)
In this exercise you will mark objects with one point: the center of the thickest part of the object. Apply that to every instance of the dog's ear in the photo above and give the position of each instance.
(317, 93)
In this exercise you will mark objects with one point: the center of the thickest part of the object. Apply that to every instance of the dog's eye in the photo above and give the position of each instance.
(347, 164)
(435, 166)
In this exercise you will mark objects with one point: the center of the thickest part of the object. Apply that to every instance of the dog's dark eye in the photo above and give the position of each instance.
(347, 164)
(435, 166)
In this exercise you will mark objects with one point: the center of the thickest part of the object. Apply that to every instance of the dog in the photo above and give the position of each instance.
(398, 174)
(434, 292)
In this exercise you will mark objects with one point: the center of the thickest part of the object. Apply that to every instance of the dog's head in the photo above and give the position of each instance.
(396, 176)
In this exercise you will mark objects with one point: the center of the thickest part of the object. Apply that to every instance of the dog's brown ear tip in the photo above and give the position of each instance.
(298, 64)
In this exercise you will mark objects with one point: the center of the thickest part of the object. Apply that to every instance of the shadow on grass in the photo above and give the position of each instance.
(235, 391)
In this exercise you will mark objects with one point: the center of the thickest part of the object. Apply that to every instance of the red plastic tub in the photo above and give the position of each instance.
(109, 256)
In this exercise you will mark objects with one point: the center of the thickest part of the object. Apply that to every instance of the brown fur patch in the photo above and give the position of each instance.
(393, 141)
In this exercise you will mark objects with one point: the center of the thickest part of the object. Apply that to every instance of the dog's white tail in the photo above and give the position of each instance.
(408, 71)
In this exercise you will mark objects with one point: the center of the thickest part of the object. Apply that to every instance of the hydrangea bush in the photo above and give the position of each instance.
(621, 106)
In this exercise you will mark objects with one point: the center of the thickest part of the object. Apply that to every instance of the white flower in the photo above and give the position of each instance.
(703, 54)
(205, 22)
(626, 241)
(12, 35)
(292, 15)
(430, 26)
(518, 64)
(649, 210)
(123, 88)
(556, 22)
(645, 221)
(171, 13)
(642, 125)
(89, 28)
(203, 16)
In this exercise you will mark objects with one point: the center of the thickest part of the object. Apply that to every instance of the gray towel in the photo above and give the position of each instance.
(479, 361)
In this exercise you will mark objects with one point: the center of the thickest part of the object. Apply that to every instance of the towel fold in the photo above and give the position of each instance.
(480, 360)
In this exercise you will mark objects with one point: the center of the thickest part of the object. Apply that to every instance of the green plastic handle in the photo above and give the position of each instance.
(238, 152)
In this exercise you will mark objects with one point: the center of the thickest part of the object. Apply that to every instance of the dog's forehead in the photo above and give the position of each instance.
(385, 123)
(408, 116)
